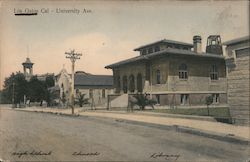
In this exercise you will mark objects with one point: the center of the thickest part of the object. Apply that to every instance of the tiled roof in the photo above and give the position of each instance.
(93, 80)
(168, 51)
(165, 41)
(238, 40)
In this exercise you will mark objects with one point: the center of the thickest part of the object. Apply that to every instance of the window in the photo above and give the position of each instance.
(184, 99)
(183, 71)
(158, 77)
(125, 84)
(177, 47)
(215, 98)
(214, 72)
(157, 48)
(144, 52)
(170, 46)
(103, 93)
(244, 52)
(150, 50)
(139, 82)
(132, 83)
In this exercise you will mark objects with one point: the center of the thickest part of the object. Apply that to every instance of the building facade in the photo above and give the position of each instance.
(174, 73)
(237, 61)
(95, 88)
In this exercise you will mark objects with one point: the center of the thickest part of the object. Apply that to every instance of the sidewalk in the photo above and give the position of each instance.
(169, 120)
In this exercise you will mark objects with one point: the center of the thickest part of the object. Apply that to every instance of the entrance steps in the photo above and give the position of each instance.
(120, 101)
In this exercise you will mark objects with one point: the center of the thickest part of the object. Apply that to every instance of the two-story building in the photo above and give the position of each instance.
(175, 73)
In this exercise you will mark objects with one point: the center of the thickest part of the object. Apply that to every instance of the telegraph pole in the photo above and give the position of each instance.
(73, 57)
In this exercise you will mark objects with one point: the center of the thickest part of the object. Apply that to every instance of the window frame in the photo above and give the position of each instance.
(216, 98)
(183, 72)
(214, 73)
(184, 98)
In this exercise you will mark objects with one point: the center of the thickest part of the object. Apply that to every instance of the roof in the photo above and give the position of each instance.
(235, 41)
(168, 51)
(93, 80)
(27, 61)
(165, 41)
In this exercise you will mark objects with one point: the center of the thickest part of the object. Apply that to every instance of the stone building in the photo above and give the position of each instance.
(95, 88)
(237, 61)
(175, 73)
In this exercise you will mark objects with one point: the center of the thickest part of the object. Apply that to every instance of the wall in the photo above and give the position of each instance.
(127, 70)
(238, 87)
(98, 99)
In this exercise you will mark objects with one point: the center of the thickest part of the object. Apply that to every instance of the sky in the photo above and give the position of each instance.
(109, 32)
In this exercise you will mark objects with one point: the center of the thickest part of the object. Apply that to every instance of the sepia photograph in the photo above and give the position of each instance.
(126, 81)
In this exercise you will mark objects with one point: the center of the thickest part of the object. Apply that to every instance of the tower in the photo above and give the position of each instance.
(214, 45)
(28, 68)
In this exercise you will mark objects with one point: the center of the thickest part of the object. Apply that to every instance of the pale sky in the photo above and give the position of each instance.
(110, 32)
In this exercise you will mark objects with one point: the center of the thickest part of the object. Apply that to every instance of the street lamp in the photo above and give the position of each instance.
(73, 57)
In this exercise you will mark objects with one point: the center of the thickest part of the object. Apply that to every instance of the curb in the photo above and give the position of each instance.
(202, 118)
(189, 130)
(213, 135)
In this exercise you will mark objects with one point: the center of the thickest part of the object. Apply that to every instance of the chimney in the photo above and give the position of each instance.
(197, 44)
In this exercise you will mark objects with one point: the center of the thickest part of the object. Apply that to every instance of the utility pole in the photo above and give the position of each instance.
(73, 57)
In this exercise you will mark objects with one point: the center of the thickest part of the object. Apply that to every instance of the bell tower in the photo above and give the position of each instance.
(28, 68)
(214, 45)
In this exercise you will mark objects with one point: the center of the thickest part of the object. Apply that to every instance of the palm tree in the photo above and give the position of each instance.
(142, 101)
(82, 100)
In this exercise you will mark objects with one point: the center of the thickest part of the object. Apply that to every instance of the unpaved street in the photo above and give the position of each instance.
(31, 136)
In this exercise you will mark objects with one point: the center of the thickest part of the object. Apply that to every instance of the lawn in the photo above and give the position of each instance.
(214, 112)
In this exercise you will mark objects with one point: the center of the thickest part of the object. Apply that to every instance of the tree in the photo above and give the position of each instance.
(14, 89)
(82, 100)
(209, 101)
(50, 82)
(37, 90)
(142, 101)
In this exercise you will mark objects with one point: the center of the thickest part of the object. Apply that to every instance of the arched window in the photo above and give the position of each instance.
(158, 77)
(125, 84)
(214, 72)
(118, 88)
(139, 82)
(183, 71)
(132, 83)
